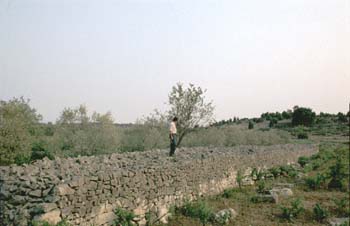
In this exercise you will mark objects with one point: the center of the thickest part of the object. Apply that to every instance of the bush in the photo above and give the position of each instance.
(229, 193)
(257, 174)
(250, 125)
(39, 151)
(273, 122)
(289, 171)
(124, 218)
(320, 213)
(342, 117)
(199, 210)
(289, 213)
(21, 159)
(337, 174)
(275, 171)
(315, 183)
(303, 161)
(302, 135)
(303, 116)
(342, 207)
(262, 187)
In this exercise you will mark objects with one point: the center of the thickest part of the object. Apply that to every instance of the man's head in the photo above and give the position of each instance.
(175, 119)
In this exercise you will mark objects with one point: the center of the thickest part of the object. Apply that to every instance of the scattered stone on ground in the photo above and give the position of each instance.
(226, 215)
(338, 221)
(272, 198)
(282, 192)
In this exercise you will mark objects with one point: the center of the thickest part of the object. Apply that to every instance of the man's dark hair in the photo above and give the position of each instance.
(175, 119)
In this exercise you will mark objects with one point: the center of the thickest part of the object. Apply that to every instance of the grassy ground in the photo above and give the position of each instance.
(265, 214)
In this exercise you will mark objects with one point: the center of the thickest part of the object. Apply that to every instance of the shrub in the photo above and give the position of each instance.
(250, 125)
(320, 213)
(124, 218)
(273, 122)
(342, 117)
(229, 193)
(199, 210)
(302, 135)
(21, 159)
(315, 183)
(288, 170)
(39, 151)
(342, 206)
(337, 174)
(262, 187)
(303, 161)
(303, 116)
(257, 174)
(275, 171)
(289, 213)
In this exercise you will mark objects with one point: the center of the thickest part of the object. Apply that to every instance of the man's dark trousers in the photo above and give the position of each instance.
(172, 145)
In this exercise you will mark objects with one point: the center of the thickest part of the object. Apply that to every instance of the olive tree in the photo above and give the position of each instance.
(18, 129)
(81, 134)
(189, 105)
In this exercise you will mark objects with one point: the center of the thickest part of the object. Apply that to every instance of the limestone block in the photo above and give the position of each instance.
(64, 189)
(106, 218)
(52, 217)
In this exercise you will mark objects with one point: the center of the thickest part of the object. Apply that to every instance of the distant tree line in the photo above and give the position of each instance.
(299, 116)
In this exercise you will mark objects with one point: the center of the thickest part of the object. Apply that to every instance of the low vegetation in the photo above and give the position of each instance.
(308, 206)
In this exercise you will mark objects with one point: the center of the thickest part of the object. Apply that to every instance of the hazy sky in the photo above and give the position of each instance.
(124, 56)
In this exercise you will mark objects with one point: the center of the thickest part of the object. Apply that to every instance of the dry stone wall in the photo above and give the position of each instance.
(86, 190)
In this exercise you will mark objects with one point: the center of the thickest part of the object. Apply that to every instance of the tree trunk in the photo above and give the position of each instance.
(180, 139)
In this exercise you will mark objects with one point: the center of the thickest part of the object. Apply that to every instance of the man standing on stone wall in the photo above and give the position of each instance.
(172, 136)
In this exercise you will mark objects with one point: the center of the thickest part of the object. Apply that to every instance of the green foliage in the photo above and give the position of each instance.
(150, 133)
(289, 171)
(262, 187)
(316, 182)
(273, 122)
(320, 213)
(19, 125)
(345, 224)
(303, 116)
(342, 207)
(302, 135)
(277, 116)
(21, 159)
(300, 132)
(303, 160)
(293, 211)
(225, 122)
(275, 171)
(342, 117)
(250, 125)
(124, 218)
(190, 107)
(257, 174)
(337, 174)
(199, 210)
(40, 151)
(78, 133)
(149, 217)
(229, 193)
